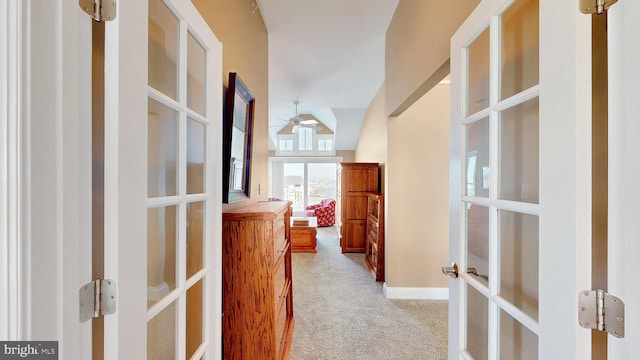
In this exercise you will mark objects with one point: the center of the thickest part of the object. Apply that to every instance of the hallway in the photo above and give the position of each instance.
(341, 312)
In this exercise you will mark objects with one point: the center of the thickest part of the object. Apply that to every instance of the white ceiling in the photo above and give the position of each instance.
(329, 55)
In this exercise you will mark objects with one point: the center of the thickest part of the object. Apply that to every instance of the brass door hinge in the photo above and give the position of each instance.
(99, 10)
(595, 6)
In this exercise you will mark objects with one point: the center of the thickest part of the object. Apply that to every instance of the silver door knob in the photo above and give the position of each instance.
(452, 270)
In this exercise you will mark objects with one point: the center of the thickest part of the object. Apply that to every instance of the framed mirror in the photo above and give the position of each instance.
(237, 140)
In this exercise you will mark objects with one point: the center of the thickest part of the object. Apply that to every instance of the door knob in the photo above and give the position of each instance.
(452, 270)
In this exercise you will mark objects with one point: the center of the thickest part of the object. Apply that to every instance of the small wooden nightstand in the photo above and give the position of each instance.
(303, 238)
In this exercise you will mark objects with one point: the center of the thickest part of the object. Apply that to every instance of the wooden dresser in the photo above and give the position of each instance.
(375, 235)
(257, 320)
(355, 181)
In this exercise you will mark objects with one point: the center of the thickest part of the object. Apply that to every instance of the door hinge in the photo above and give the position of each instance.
(600, 311)
(595, 6)
(97, 298)
(99, 10)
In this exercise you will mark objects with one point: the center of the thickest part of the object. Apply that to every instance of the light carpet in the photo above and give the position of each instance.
(341, 312)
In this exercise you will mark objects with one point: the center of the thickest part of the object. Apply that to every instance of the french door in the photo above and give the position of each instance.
(518, 181)
(163, 96)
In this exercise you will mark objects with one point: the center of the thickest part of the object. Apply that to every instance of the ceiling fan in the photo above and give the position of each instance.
(298, 122)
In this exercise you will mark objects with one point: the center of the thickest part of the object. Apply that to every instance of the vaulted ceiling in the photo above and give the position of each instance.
(329, 55)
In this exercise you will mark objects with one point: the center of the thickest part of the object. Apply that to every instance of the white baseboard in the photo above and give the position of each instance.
(155, 293)
(415, 293)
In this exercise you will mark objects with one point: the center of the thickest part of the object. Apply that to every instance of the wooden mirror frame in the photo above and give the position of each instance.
(236, 88)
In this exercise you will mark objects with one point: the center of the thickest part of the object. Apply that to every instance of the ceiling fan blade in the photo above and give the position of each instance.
(309, 122)
(295, 129)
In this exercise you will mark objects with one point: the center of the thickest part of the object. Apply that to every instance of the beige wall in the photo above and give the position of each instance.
(417, 194)
(245, 51)
(417, 48)
(372, 144)
(347, 155)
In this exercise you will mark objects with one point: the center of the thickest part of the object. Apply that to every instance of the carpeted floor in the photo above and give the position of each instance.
(341, 312)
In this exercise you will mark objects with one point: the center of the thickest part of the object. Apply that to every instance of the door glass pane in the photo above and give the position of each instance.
(162, 155)
(516, 341)
(321, 182)
(161, 334)
(161, 252)
(195, 235)
(478, 239)
(519, 152)
(294, 185)
(196, 61)
(519, 260)
(194, 318)
(478, 81)
(195, 156)
(477, 324)
(520, 44)
(163, 49)
(477, 150)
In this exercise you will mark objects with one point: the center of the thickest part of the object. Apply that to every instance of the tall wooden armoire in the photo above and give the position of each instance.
(355, 181)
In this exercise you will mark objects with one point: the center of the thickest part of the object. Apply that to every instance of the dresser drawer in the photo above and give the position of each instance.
(279, 283)
(282, 332)
(279, 241)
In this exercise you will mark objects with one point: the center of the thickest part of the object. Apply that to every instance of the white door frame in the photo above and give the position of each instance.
(46, 75)
(565, 224)
(624, 172)
(10, 297)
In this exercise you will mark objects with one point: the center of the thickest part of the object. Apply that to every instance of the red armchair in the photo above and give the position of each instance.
(325, 212)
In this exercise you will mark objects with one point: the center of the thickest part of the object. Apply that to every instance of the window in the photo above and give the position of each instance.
(303, 181)
(285, 145)
(305, 139)
(324, 145)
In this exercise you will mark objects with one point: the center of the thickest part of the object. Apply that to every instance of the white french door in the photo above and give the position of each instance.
(163, 96)
(519, 184)
(624, 172)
